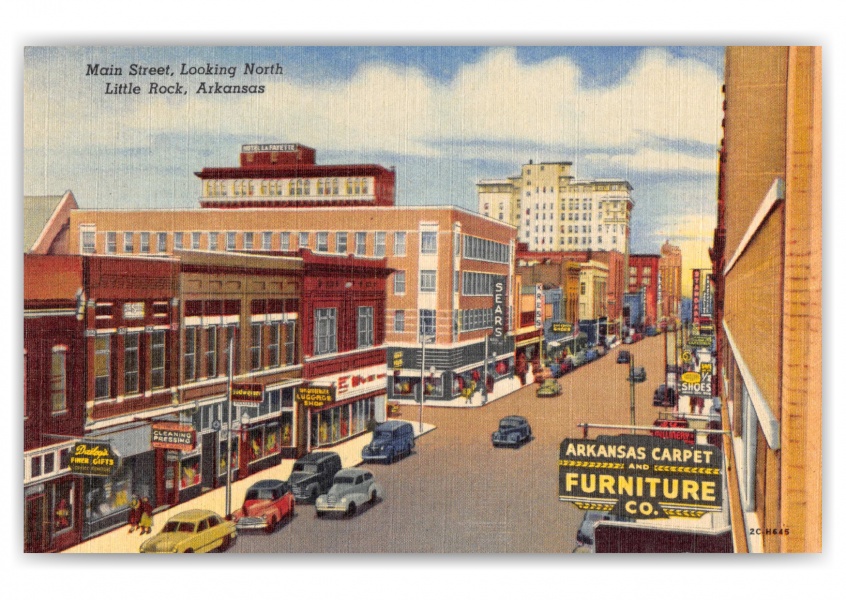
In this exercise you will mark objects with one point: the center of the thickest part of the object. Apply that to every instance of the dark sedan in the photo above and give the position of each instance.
(513, 431)
(623, 356)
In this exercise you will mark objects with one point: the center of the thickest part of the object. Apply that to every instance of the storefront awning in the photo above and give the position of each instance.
(127, 441)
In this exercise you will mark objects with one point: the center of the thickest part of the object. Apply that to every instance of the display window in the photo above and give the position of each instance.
(63, 504)
(233, 455)
(189, 472)
(263, 441)
(338, 423)
(108, 495)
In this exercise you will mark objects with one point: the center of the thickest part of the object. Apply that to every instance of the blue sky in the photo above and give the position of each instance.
(445, 117)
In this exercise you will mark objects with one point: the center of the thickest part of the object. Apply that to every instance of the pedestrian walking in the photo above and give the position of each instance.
(146, 520)
(134, 514)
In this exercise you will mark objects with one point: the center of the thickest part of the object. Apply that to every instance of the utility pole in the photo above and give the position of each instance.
(229, 431)
(422, 379)
(632, 391)
(666, 381)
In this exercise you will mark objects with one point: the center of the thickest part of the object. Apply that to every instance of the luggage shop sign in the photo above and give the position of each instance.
(640, 476)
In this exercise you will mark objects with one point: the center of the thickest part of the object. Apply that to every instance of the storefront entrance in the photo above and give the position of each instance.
(36, 523)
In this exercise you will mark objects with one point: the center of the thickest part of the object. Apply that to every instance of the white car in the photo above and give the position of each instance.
(350, 489)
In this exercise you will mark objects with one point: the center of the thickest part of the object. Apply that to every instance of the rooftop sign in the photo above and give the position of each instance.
(269, 148)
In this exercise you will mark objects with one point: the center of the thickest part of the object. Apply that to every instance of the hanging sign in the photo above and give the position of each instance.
(93, 459)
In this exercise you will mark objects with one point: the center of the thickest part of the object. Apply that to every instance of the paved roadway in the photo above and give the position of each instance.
(457, 493)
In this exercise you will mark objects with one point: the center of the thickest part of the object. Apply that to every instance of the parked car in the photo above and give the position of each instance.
(578, 358)
(623, 356)
(350, 489)
(628, 339)
(651, 331)
(390, 439)
(638, 374)
(194, 530)
(585, 534)
(664, 396)
(549, 388)
(591, 355)
(566, 365)
(513, 431)
(312, 475)
(636, 337)
(266, 504)
(555, 369)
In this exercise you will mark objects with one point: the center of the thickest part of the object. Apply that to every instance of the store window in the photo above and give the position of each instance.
(189, 472)
(157, 359)
(190, 353)
(102, 366)
(399, 243)
(63, 507)
(325, 335)
(429, 242)
(59, 379)
(341, 242)
(365, 326)
(131, 343)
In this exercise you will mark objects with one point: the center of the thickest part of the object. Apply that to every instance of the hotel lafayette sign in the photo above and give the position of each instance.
(92, 459)
(173, 436)
(640, 476)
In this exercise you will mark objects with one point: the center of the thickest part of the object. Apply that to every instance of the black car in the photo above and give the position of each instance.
(665, 396)
(513, 431)
(638, 374)
(623, 356)
(312, 475)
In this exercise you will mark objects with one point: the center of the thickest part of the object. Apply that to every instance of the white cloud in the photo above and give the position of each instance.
(399, 110)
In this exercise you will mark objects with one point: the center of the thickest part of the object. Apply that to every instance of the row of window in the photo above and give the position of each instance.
(487, 250)
(156, 242)
(326, 329)
(222, 188)
(131, 365)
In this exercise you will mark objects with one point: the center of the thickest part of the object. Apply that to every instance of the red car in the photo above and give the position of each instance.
(267, 503)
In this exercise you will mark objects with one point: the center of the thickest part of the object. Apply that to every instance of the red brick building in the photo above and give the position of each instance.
(643, 274)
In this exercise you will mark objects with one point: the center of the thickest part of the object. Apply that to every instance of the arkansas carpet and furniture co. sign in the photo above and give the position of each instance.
(640, 476)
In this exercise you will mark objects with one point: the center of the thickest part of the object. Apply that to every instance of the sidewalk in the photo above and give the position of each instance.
(501, 389)
(121, 541)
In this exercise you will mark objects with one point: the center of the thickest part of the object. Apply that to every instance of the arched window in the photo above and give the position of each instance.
(291, 187)
(299, 187)
(364, 186)
(307, 187)
(319, 187)
(335, 186)
(349, 186)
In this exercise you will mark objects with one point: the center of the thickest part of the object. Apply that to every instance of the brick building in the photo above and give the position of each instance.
(767, 259)
(643, 275)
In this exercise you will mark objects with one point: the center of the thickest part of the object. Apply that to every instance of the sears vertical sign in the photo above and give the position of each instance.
(499, 299)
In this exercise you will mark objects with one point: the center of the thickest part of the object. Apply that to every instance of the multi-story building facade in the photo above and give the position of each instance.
(643, 275)
(445, 262)
(593, 300)
(554, 211)
(670, 283)
(768, 266)
(286, 175)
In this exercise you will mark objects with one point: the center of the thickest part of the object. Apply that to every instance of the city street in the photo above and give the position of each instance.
(457, 493)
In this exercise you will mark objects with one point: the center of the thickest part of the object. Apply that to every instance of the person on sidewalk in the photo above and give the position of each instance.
(134, 514)
(146, 521)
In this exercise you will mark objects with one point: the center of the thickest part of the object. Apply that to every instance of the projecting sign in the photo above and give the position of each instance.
(315, 397)
(696, 277)
(247, 393)
(699, 386)
(173, 436)
(562, 327)
(499, 297)
(700, 341)
(640, 476)
(539, 305)
(92, 459)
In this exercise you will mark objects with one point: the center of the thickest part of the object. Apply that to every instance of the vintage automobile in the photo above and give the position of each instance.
(549, 388)
(195, 530)
(566, 365)
(623, 356)
(390, 439)
(513, 431)
(578, 359)
(664, 396)
(591, 355)
(266, 504)
(312, 475)
(350, 489)
(638, 374)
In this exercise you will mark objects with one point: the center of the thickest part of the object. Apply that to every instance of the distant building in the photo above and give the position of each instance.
(554, 211)
(46, 223)
(670, 284)
(643, 275)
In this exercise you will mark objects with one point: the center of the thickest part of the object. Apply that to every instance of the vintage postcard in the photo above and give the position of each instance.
(422, 299)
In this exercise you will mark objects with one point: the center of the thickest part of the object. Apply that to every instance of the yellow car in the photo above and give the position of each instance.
(192, 531)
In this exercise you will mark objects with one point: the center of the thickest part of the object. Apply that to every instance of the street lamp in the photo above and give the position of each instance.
(423, 336)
